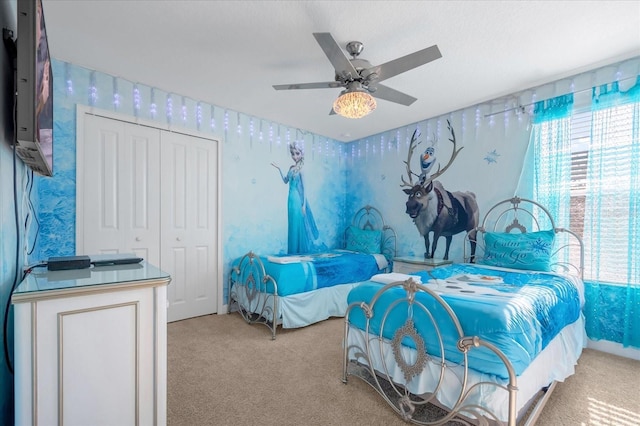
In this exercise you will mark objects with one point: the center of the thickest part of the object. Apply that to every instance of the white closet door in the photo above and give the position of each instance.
(118, 188)
(189, 182)
(153, 193)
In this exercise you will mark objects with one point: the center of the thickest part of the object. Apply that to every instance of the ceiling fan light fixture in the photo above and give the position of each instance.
(354, 104)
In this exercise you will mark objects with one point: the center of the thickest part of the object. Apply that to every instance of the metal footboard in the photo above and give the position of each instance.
(379, 355)
(253, 293)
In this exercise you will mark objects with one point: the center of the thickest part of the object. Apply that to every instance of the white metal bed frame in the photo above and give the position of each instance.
(367, 361)
(257, 305)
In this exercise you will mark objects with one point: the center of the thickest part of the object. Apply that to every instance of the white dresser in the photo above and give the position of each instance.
(410, 265)
(91, 346)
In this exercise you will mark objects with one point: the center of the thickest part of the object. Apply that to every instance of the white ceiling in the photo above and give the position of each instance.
(230, 53)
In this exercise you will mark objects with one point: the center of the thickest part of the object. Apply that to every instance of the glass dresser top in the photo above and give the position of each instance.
(43, 280)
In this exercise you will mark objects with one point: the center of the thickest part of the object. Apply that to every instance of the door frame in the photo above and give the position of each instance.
(81, 112)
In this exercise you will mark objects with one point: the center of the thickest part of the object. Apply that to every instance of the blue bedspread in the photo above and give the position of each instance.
(320, 270)
(519, 312)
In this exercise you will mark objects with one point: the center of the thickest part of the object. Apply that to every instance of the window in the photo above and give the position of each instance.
(586, 167)
(602, 192)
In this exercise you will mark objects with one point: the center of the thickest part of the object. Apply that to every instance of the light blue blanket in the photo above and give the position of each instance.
(299, 274)
(519, 312)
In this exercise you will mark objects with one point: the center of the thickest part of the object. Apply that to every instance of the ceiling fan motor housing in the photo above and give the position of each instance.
(366, 73)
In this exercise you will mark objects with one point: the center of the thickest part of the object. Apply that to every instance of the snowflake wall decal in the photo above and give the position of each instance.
(492, 157)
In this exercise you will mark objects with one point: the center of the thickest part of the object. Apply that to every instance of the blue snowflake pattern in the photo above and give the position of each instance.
(540, 246)
(492, 157)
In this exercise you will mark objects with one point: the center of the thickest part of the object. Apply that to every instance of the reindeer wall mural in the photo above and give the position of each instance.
(434, 209)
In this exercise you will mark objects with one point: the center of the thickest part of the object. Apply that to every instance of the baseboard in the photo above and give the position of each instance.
(614, 348)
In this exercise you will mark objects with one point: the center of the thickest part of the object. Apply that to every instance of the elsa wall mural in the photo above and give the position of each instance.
(302, 228)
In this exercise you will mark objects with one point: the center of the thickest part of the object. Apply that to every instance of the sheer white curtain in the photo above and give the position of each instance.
(546, 174)
(612, 214)
(551, 142)
(604, 207)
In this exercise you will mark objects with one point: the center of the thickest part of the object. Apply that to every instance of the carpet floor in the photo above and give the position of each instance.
(222, 371)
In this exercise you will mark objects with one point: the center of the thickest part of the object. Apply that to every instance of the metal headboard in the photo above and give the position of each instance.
(506, 216)
(370, 218)
(523, 215)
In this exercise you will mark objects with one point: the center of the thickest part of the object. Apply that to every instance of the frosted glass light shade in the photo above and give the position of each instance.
(354, 104)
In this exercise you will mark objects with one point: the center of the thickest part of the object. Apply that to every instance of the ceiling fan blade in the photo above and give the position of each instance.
(319, 85)
(393, 95)
(339, 60)
(406, 63)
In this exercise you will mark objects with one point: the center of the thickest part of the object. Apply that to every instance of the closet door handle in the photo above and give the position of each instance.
(178, 239)
(138, 238)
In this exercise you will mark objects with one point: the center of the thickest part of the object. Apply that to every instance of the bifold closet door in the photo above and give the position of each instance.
(154, 193)
(189, 174)
(118, 189)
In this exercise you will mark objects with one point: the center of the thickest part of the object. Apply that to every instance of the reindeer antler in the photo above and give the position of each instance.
(412, 147)
(454, 154)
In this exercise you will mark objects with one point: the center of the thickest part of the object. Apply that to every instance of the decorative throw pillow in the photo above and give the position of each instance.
(531, 251)
(362, 240)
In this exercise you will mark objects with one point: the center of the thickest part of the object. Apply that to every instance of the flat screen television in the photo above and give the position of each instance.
(34, 89)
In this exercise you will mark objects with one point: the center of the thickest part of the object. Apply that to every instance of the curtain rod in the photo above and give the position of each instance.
(521, 108)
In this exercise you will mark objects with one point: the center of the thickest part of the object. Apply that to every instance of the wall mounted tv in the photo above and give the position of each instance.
(34, 114)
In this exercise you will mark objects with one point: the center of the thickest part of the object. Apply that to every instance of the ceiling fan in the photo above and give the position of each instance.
(360, 79)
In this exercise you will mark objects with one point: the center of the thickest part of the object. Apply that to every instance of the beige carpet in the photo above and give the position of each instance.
(222, 371)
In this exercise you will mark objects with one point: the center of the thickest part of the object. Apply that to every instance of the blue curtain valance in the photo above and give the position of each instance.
(609, 95)
(552, 109)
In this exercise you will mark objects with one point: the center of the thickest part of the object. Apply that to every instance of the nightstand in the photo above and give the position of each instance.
(409, 264)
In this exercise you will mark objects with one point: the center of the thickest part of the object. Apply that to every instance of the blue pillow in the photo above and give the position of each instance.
(362, 240)
(531, 251)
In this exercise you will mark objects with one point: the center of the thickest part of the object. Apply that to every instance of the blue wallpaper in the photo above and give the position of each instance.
(339, 178)
(377, 169)
(254, 200)
(57, 195)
